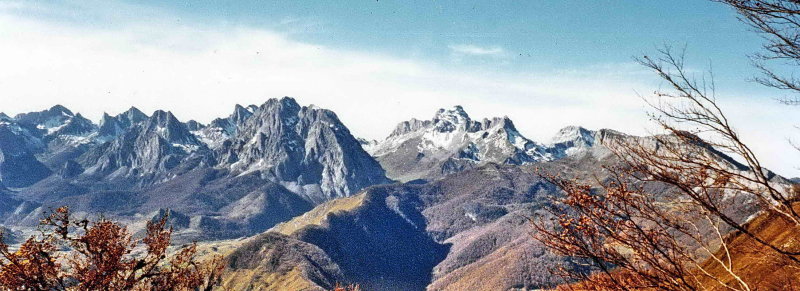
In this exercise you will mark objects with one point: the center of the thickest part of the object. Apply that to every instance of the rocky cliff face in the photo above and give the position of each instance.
(222, 129)
(235, 176)
(18, 146)
(114, 126)
(451, 142)
(144, 151)
(306, 149)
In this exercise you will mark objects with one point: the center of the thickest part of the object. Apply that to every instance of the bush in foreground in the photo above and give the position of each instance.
(72, 254)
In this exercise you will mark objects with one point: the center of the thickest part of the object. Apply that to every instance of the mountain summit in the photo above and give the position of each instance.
(305, 148)
(236, 176)
(451, 142)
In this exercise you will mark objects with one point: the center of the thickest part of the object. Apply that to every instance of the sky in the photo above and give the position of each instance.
(545, 64)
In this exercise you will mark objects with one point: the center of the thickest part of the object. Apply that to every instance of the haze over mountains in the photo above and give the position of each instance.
(437, 204)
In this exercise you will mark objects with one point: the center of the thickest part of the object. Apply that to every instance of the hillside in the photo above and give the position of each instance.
(467, 230)
(757, 265)
(760, 267)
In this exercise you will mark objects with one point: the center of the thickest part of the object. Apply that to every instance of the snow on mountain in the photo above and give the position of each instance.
(113, 126)
(571, 140)
(450, 142)
(222, 129)
(57, 125)
(259, 166)
(367, 144)
(19, 166)
(48, 121)
(165, 125)
(76, 125)
(75, 131)
(54, 136)
(148, 149)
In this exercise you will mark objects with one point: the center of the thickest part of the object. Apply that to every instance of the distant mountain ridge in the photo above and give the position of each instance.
(315, 202)
(469, 230)
(259, 166)
(285, 157)
(451, 142)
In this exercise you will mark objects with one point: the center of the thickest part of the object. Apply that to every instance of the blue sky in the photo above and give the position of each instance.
(545, 64)
(538, 35)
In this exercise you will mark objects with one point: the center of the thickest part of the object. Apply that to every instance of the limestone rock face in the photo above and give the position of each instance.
(452, 142)
(237, 176)
(305, 148)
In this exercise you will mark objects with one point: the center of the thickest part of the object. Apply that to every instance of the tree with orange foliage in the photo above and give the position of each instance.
(628, 239)
(74, 254)
(350, 287)
(632, 238)
(681, 242)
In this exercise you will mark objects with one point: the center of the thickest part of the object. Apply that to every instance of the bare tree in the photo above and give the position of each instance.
(677, 240)
(682, 159)
(778, 21)
(630, 239)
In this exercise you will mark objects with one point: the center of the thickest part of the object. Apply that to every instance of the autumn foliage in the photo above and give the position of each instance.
(690, 234)
(351, 287)
(623, 235)
(72, 254)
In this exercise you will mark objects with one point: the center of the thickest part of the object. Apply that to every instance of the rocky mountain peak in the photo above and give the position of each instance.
(113, 126)
(194, 125)
(55, 111)
(501, 122)
(409, 126)
(133, 115)
(75, 126)
(452, 142)
(167, 126)
(163, 118)
(285, 105)
(572, 140)
(47, 120)
(446, 120)
(306, 147)
(240, 114)
(222, 129)
(58, 108)
(574, 133)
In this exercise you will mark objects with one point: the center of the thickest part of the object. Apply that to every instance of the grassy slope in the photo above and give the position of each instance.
(257, 277)
(318, 215)
(758, 266)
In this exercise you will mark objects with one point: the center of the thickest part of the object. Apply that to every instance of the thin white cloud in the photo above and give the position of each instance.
(199, 71)
(293, 24)
(474, 50)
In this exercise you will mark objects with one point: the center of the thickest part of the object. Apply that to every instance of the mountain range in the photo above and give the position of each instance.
(235, 176)
(300, 203)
